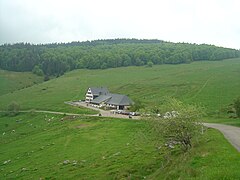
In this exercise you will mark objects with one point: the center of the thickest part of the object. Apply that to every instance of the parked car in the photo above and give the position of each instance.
(134, 113)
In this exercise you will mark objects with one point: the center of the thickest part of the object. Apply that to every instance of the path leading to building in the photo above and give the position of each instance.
(231, 133)
(101, 111)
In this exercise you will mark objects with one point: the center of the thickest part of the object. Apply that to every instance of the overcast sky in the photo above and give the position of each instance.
(196, 21)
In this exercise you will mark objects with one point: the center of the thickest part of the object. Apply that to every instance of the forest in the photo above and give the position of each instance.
(57, 58)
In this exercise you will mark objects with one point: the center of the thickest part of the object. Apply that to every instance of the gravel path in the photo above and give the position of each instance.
(231, 133)
(101, 111)
(83, 104)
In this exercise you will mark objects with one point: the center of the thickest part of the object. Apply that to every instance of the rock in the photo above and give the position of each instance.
(66, 162)
(7, 161)
(116, 154)
(74, 162)
(24, 169)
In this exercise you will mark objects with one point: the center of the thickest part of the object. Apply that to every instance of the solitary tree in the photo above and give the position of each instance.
(181, 127)
(13, 108)
(237, 106)
(149, 64)
(37, 70)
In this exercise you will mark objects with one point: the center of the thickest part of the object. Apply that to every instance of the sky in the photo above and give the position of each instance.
(194, 21)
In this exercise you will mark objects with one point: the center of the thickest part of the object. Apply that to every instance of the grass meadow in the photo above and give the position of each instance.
(12, 81)
(34, 146)
(64, 147)
(211, 84)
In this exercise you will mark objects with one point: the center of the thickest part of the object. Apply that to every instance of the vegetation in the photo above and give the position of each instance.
(47, 146)
(56, 59)
(68, 147)
(12, 81)
(211, 158)
(13, 108)
(178, 126)
(35, 146)
(37, 70)
(198, 82)
(223, 120)
(237, 106)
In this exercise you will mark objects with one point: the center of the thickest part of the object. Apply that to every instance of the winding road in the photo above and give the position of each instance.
(231, 133)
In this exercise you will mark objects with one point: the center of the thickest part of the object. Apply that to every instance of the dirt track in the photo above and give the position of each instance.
(231, 133)
(103, 112)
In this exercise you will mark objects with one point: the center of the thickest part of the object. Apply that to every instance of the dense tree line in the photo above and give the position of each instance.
(55, 59)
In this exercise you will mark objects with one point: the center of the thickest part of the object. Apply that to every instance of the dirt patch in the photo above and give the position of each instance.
(82, 126)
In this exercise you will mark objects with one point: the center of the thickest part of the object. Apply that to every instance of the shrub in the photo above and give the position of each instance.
(181, 127)
(37, 70)
(149, 64)
(236, 106)
(13, 108)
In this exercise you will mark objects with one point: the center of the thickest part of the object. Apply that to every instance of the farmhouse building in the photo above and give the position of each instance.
(102, 98)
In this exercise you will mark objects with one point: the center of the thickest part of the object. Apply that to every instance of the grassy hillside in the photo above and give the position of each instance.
(103, 148)
(213, 158)
(45, 146)
(12, 81)
(213, 85)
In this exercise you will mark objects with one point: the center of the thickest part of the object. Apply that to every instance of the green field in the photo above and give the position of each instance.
(212, 158)
(103, 148)
(12, 81)
(213, 85)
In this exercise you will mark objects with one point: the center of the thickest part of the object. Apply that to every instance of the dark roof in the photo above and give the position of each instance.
(99, 90)
(114, 99)
(120, 100)
(100, 99)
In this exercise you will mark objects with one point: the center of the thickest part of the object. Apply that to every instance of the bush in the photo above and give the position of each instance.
(236, 106)
(181, 125)
(37, 70)
(149, 64)
(13, 108)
